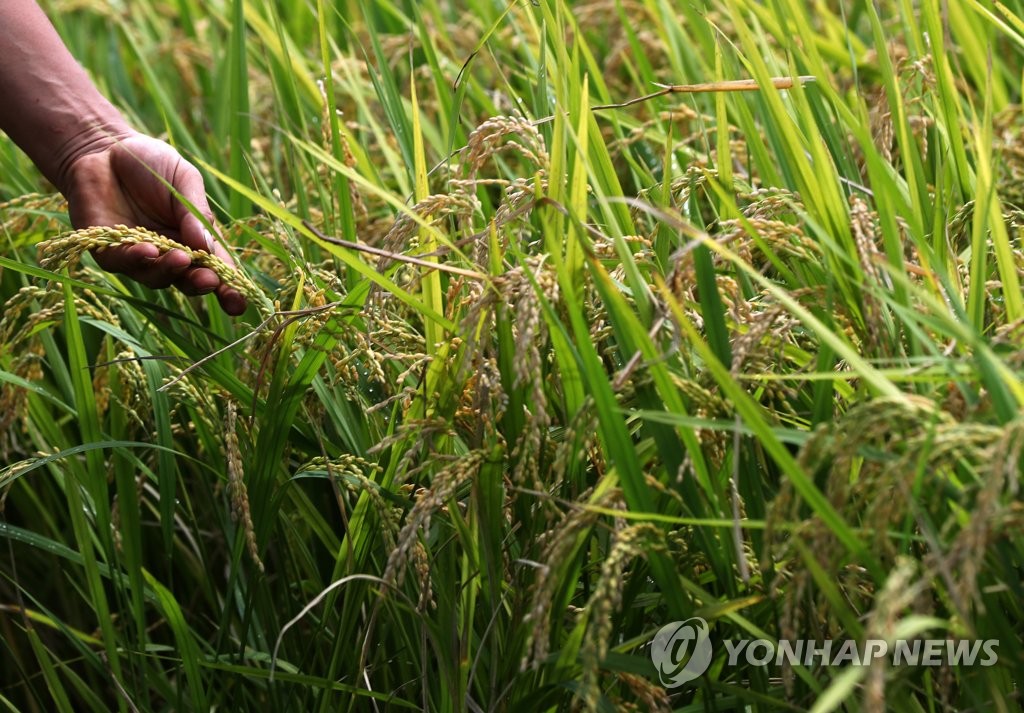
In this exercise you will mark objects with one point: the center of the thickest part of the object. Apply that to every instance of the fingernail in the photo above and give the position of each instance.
(209, 241)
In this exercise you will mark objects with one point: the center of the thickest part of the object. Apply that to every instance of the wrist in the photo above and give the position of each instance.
(93, 135)
(50, 109)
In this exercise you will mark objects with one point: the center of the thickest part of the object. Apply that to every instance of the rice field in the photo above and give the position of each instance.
(567, 321)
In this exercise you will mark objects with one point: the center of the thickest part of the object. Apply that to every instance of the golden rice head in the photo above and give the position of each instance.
(909, 435)
(557, 545)
(630, 543)
(523, 300)
(429, 501)
(493, 136)
(31, 214)
(350, 472)
(237, 491)
(903, 587)
(434, 210)
(67, 250)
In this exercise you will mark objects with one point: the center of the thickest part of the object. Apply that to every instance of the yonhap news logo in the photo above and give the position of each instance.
(681, 651)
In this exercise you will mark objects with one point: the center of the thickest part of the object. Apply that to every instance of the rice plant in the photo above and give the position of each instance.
(567, 320)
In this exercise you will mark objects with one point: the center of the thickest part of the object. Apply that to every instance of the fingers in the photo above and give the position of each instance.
(202, 280)
(144, 263)
(231, 300)
(197, 281)
(193, 229)
(167, 194)
(189, 183)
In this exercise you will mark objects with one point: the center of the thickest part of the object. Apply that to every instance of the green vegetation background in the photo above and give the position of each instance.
(750, 356)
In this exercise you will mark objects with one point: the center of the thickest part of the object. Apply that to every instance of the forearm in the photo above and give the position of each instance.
(51, 108)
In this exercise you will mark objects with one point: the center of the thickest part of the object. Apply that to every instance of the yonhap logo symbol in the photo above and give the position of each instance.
(681, 651)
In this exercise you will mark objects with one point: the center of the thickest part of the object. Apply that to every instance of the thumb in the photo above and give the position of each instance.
(198, 232)
(191, 207)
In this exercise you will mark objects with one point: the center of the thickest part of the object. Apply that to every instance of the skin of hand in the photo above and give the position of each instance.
(129, 182)
(110, 173)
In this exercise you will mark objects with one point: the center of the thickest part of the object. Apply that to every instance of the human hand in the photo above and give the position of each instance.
(125, 182)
